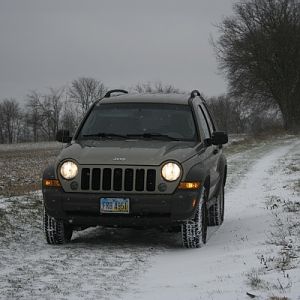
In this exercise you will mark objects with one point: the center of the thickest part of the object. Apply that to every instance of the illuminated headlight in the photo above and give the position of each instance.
(171, 171)
(68, 170)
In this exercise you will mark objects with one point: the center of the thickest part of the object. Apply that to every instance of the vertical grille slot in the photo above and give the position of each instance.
(128, 183)
(117, 183)
(106, 183)
(139, 180)
(85, 179)
(151, 178)
(96, 177)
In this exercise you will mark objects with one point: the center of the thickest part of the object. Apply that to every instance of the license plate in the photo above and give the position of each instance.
(114, 205)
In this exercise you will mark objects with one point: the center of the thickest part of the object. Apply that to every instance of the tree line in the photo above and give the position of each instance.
(63, 108)
(44, 114)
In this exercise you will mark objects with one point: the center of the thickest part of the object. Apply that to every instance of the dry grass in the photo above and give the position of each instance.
(255, 280)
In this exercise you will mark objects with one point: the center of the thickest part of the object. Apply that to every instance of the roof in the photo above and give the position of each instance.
(148, 98)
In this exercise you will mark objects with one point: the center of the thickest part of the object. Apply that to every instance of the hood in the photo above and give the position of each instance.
(128, 152)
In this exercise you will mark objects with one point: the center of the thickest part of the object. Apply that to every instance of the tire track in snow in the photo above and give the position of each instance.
(217, 270)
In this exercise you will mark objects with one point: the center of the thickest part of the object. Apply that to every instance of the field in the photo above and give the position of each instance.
(255, 251)
(22, 164)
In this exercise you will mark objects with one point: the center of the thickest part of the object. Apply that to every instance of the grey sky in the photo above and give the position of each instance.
(50, 43)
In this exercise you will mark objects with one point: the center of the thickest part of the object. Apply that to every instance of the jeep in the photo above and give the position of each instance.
(138, 161)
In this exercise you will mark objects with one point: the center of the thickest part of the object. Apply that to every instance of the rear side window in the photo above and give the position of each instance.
(203, 123)
(208, 119)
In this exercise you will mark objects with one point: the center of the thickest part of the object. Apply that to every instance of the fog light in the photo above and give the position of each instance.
(162, 187)
(74, 185)
(189, 185)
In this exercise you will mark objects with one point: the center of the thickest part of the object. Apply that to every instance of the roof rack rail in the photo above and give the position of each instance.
(107, 95)
(196, 93)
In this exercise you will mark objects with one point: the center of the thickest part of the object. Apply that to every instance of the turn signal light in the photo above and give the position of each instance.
(51, 183)
(189, 185)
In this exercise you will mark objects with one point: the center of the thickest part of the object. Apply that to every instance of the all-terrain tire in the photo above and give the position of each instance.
(216, 211)
(194, 231)
(56, 232)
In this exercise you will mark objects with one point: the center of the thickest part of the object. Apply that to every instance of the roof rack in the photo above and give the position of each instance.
(196, 93)
(107, 95)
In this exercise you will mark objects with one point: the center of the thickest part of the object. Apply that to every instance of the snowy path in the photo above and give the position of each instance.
(146, 264)
(217, 271)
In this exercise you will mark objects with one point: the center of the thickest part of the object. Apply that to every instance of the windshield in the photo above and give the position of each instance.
(140, 120)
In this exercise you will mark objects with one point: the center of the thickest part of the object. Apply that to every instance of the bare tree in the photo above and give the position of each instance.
(156, 88)
(259, 51)
(34, 114)
(85, 90)
(69, 118)
(45, 112)
(2, 131)
(227, 113)
(234, 115)
(10, 116)
(52, 108)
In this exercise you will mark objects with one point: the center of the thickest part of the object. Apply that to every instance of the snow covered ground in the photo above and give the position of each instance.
(246, 254)
(219, 270)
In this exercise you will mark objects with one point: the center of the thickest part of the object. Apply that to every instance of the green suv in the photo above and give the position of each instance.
(143, 161)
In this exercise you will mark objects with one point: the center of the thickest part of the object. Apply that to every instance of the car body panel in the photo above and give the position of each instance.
(127, 152)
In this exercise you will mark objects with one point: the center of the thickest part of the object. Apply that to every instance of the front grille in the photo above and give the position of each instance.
(118, 179)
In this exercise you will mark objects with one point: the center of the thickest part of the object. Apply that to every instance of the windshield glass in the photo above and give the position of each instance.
(140, 120)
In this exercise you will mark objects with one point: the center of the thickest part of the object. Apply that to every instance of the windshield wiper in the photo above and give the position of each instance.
(105, 135)
(153, 136)
(143, 135)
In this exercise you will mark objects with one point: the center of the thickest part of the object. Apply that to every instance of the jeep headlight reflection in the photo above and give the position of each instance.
(171, 171)
(68, 170)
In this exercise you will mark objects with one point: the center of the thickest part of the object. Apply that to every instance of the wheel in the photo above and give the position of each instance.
(194, 231)
(216, 211)
(56, 232)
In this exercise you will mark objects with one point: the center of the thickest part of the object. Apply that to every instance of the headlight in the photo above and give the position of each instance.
(68, 170)
(170, 171)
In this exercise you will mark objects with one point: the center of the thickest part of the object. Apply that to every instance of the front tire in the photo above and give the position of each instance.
(194, 231)
(56, 231)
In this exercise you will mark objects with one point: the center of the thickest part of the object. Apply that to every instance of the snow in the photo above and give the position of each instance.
(148, 264)
(217, 270)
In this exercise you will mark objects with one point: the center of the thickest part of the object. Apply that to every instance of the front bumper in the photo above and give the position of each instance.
(83, 209)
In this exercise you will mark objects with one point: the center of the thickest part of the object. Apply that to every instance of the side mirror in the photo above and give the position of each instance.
(63, 136)
(219, 138)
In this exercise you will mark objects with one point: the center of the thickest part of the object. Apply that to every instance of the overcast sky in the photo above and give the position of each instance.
(120, 42)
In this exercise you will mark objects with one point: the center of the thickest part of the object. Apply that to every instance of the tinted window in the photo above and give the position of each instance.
(139, 118)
